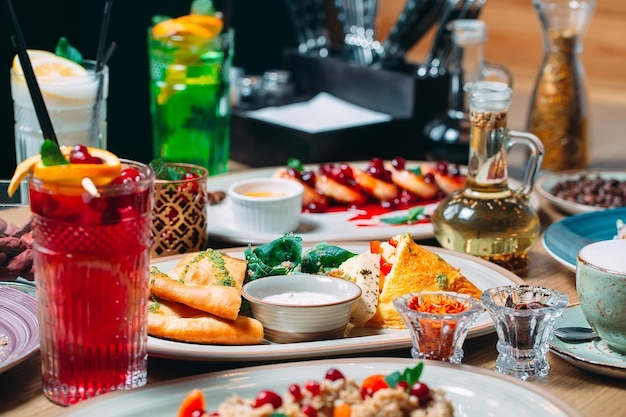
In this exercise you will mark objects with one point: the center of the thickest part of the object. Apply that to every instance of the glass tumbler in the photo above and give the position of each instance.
(190, 99)
(524, 318)
(91, 257)
(436, 333)
(179, 221)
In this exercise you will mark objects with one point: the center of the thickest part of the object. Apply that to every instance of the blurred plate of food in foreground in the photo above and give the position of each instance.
(474, 392)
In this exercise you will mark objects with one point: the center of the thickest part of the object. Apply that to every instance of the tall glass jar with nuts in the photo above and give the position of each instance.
(558, 109)
(487, 218)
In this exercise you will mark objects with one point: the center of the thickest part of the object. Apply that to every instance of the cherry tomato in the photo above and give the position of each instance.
(421, 391)
(294, 390)
(313, 387)
(309, 411)
(268, 397)
(333, 374)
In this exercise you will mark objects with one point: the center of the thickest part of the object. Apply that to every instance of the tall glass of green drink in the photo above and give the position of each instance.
(190, 60)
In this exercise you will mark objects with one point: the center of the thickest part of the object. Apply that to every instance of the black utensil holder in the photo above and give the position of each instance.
(410, 99)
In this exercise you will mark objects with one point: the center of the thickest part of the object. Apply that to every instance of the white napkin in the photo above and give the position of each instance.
(322, 113)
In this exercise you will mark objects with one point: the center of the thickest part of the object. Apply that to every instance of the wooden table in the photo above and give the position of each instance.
(591, 394)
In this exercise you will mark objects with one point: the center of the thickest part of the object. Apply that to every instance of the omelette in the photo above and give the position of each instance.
(413, 268)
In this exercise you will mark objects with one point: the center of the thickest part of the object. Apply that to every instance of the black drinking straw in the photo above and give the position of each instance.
(35, 93)
(104, 28)
(101, 58)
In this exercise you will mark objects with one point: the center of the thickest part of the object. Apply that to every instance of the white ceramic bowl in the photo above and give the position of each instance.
(323, 310)
(267, 205)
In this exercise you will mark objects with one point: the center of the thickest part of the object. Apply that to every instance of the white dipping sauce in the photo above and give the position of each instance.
(301, 297)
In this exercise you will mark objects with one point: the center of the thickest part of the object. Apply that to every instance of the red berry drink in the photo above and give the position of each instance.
(91, 257)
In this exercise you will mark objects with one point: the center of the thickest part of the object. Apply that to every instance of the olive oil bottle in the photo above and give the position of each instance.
(487, 218)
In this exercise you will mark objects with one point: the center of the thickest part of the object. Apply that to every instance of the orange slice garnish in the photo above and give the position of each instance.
(68, 174)
(203, 26)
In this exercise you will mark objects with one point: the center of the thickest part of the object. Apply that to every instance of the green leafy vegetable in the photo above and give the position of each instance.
(203, 7)
(51, 154)
(164, 172)
(279, 257)
(409, 375)
(285, 256)
(322, 257)
(65, 50)
(295, 164)
(413, 214)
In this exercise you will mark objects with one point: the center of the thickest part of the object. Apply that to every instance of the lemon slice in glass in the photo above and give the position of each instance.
(32, 55)
(68, 174)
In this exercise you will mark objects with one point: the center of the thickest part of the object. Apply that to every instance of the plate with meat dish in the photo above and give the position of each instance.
(583, 191)
(480, 273)
(472, 391)
(365, 206)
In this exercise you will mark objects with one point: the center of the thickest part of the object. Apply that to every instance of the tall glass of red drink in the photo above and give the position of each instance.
(91, 258)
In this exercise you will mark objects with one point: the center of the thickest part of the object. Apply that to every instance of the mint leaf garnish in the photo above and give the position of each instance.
(158, 18)
(65, 50)
(51, 154)
(295, 164)
(413, 214)
(164, 172)
(203, 7)
(409, 375)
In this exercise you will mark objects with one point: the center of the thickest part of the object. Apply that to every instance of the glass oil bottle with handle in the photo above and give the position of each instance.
(447, 135)
(487, 218)
(558, 112)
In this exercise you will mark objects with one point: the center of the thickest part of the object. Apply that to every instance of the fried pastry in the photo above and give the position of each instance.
(180, 322)
(210, 267)
(216, 299)
(414, 268)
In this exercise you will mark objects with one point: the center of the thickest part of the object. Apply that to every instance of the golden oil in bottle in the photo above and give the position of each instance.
(487, 218)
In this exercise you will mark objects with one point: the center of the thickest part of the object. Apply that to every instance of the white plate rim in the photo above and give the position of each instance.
(459, 381)
(382, 340)
(332, 226)
(24, 308)
(546, 181)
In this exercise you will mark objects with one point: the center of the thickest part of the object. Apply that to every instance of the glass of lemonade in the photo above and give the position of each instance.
(70, 93)
(190, 104)
(91, 257)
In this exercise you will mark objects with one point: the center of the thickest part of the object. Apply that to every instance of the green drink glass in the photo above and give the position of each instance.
(190, 103)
